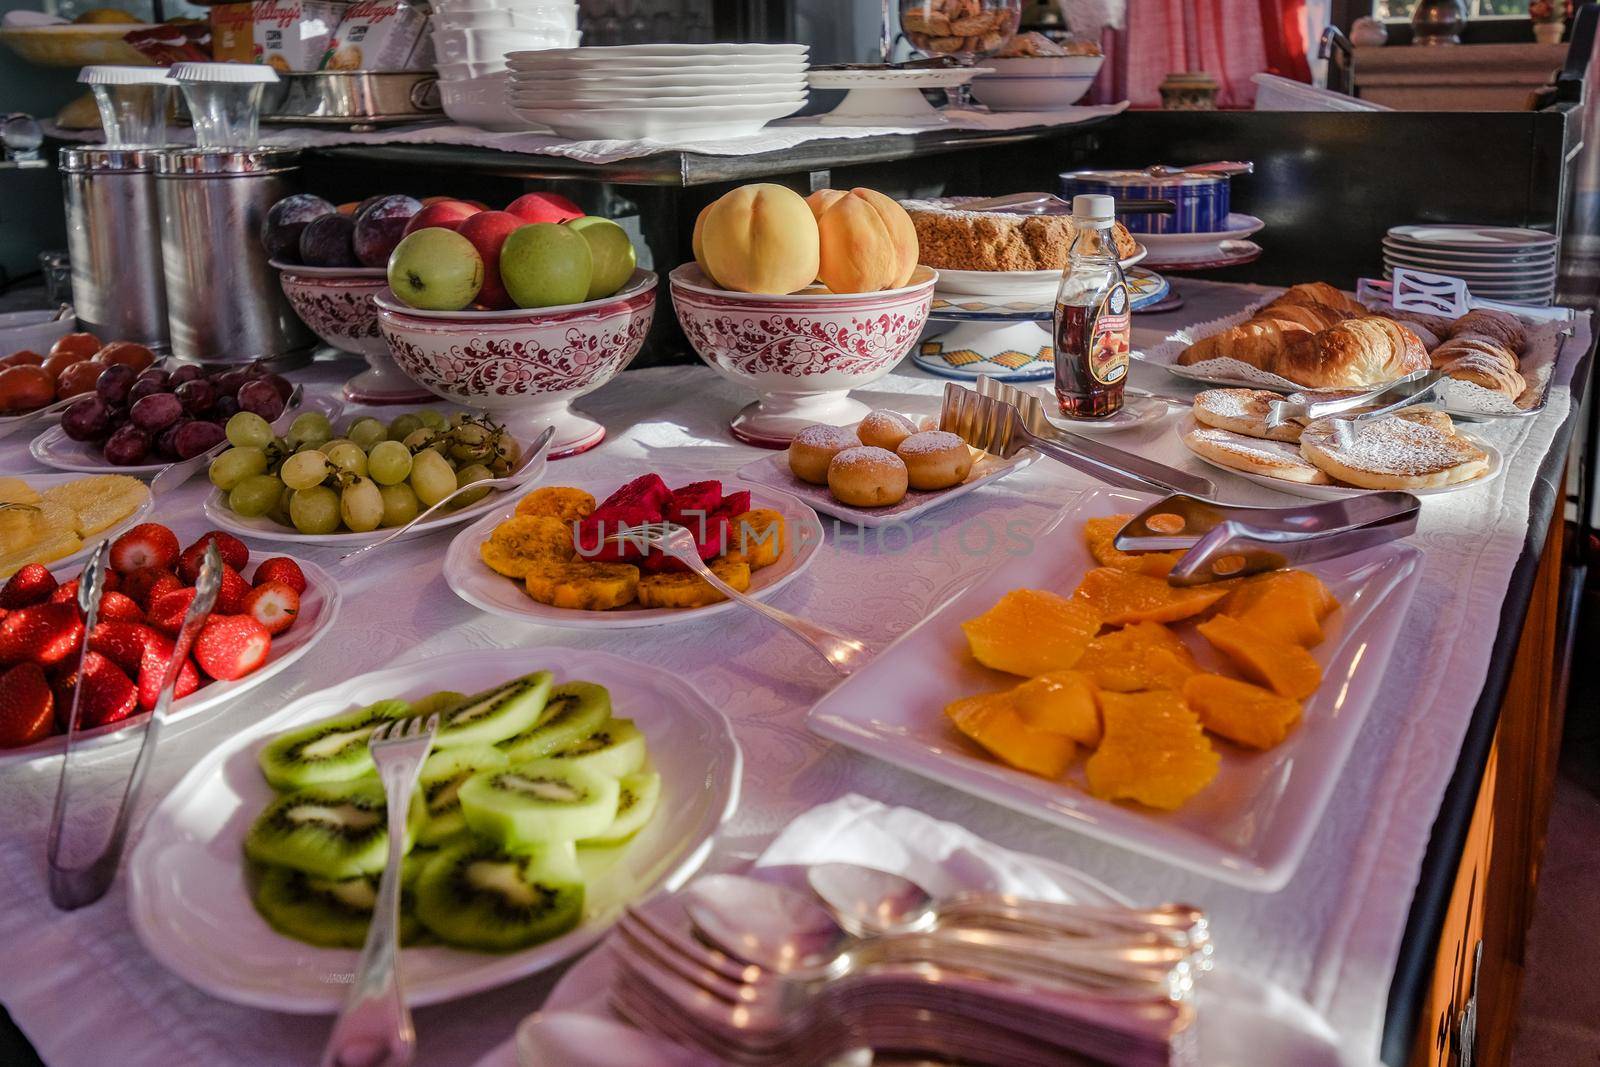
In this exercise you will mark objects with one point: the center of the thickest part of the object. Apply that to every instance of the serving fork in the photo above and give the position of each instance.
(374, 1028)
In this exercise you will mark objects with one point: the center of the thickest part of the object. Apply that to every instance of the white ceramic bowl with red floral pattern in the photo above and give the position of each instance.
(802, 353)
(336, 303)
(525, 366)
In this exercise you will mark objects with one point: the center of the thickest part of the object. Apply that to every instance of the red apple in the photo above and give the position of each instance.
(488, 230)
(544, 207)
(447, 213)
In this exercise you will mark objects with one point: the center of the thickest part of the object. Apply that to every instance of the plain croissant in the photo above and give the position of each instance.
(1263, 337)
(1356, 352)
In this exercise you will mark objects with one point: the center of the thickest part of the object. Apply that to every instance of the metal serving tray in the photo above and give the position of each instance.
(354, 98)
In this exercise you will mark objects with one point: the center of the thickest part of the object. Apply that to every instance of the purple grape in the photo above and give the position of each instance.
(189, 372)
(157, 375)
(281, 384)
(114, 383)
(260, 397)
(256, 370)
(141, 390)
(129, 445)
(224, 409)
(228, 382)
(197, 395)
(167, 440)
(86, 419)
(156, 412)
(195, 437)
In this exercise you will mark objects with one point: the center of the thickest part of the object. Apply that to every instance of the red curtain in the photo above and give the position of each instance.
(1230, 39)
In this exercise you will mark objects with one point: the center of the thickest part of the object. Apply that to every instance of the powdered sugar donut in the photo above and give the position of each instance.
(866, 477)
(885, 429)
(814, 447)
(935, 459)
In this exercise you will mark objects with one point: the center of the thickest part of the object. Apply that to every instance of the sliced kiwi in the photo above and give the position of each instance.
(494, 714)
(442, 776)
(574, 711)
(336, 831)
(475, 895)
(617, 749)
(322, 911)
(636, 802)
(334, 750)
(537, 803)
(440, 701)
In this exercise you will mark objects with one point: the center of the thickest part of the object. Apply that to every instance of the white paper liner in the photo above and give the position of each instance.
(1537, 363)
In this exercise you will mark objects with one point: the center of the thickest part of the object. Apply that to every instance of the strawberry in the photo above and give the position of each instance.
(115, 605)
(27, 706)
(31, 585)
(231, 593)
(153, 671)
(280, 569)
(231, 646)
(167, 611)
(274, 605)
(44, 634)
(149, 544)
(123, 643)
(140, 584)
(108, 693)
(233, 551)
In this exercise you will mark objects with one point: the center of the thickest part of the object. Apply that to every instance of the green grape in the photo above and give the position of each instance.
(309, 428)
(419, 439)
(246, 429)
(432, 478)
(304, 469)
(361, 505)
(255, 495)
(460, 417)
(433, 420)
(367, 432)
(403, 426)
(389, 463)
(476, 472)
(315, 510)
(334, 442)
(280, 511)
(236, 464)
(347, 456)
(399, 504)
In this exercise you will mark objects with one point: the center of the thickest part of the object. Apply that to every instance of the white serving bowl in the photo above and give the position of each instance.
(460, 72)
(481, 102)
(524, 366)
(33, 331)
(1044, 66)
(506, 18)
(477, 46)
(1045, 93)
(802, 353)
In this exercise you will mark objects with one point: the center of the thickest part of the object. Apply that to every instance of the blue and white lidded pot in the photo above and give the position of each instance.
(1200, 194)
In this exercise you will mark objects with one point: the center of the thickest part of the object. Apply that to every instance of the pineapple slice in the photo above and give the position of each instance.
(17, 491)
(583, 586)
(681, 589)
(52, 546)
(115, 497)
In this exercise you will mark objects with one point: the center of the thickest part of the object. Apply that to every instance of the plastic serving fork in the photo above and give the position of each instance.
(374, 1028)
(74, 886)
(1003, 420)
(1227, 540)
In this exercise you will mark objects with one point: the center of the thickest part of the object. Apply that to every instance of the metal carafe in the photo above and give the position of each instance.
(224, 302)
(113, 237)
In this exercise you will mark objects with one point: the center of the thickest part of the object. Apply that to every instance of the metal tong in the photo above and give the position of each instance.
(74, 886)
(1004, 420)
(1227, 540)
(1414, 388)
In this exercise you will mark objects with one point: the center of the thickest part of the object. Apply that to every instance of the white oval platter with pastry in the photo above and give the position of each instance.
(1011, 283)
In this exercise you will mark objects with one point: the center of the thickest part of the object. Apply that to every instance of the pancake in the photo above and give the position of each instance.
(1270, 459)
(1393, 453)
(1242, 411)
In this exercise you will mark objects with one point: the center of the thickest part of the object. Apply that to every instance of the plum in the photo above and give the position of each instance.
(127, 446)
(380, 226)
(280, 230)
(156, 412)
(86, 419)
(328, 242)
(115, 382)
(196, 436)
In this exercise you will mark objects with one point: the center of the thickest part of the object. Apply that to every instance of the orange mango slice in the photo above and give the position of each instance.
(1061, 702)
(1285, 668)
(1241, 712)
(1292, 603)
(1031, 632)
(1153, 752)
(1101, 536)
(1145, 655)
(1122, 597)
(992, 721)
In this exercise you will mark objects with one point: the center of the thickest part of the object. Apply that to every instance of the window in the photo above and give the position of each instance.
(1476, 9)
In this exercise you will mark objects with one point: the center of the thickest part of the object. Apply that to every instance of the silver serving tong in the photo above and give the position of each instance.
(75, 885)
(1224, 541)
(1414, 388)
(1001, 419)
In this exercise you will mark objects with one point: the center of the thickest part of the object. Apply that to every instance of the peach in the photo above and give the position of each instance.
(868, 242)
(760, 238)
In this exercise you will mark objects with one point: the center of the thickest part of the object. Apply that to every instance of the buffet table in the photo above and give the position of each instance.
(84, 990)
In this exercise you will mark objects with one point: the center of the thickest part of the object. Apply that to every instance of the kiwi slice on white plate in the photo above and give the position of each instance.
(334, 831)
(638, 795)
(474, 894)
(574, 711)
(535, 804)
(440, 701)
(333, 750)
(321, 911)
(443, 774)
(617, 749)
(494, 714)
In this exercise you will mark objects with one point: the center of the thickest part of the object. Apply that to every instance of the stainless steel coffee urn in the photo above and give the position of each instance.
(224, 302)
(113, 225)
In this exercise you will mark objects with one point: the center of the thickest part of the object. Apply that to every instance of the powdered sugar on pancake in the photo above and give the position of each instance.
(1392, 446)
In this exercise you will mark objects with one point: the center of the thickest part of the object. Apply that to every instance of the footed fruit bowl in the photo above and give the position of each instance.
(524, 366)
(802, 353)
(336, 303)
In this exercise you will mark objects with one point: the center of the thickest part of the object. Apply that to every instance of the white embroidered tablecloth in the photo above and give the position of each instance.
(85, 992)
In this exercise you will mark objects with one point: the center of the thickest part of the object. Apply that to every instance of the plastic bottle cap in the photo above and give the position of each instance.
(1094, 207)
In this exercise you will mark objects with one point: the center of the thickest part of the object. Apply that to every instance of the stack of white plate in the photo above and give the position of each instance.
(661, 91)
(470, 42)
(1497, 262)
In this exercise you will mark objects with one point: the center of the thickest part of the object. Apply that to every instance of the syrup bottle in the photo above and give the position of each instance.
(1091, 319)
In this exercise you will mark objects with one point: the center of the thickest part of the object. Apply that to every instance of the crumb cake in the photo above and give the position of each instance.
(953, 239)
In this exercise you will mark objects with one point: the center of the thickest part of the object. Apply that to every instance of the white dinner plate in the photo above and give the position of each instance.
(1166, 245)
(632, 52)
(1509, 275)
(1485, 238)
(1249, 827)
(319, 608)
(1136, 411)
(473, 581)
(187, 894)
(42, 482)
(711, 77)
(660, 122)
(55, 449)
(912, 78)
(568, 88)
(1473, 256)
(264, 529)
(1012, 284)
(571, 101)
(543, 61)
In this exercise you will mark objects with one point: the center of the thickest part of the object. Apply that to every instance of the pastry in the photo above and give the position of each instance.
(1271, 459)
(1489, 373)
(814, 447)
(1393, 453)
(1242, 411)
(1258, 340)
(1468, 344)
(885, 429)
(1428, 337)
(935, 459)
(866, 477)
(1324, 294)
(952, 239)
(1352, 353)
(1500, 325)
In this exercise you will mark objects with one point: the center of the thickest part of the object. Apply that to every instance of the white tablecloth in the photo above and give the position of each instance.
(85, 992)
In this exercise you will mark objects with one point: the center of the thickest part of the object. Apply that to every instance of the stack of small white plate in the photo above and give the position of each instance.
(661, 91)
(1497, 262)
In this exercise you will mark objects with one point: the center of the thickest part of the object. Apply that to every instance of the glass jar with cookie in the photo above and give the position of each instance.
(964, 30)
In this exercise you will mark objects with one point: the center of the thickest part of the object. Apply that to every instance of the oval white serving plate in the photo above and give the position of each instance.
(49, 481)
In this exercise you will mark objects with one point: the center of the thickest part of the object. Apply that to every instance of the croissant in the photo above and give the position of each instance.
(1256, 342)
(1486, 322)
(1488, 372)
(1356, 352)
(1471, 345)
(1322, 293)
(1313, 317)
(1429, 339)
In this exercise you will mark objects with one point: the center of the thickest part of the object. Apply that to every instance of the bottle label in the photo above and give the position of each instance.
(1109, 337)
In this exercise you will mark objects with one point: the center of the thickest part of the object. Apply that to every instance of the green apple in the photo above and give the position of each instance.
(435, 269)
(614, 258)
(544, 264)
